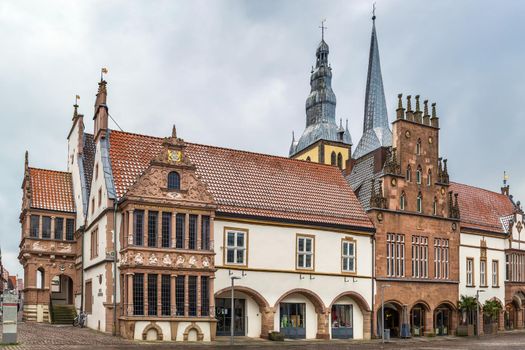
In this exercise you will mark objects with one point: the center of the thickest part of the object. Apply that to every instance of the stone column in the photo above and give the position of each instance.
(520, 318)
(52, 233)
(172, 296)
(367, 332)
(129, 292)
(130, 228)
(429, 322)
(480, 322)
(173, 229)
(187, 231)
(267, 320)
(501, 320)
(212, 234)
(186, 296)
(211, 282)
(323, 324)
(159, 229)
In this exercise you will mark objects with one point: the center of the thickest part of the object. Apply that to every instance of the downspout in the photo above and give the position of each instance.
(373, 239)
(115, 267)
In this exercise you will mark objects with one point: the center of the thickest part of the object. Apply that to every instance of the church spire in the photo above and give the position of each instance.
(376, 131)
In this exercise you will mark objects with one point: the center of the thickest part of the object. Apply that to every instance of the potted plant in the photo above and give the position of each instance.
(491, 310)
(467, 306)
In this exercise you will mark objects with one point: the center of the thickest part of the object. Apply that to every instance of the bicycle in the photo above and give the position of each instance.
(80, 320)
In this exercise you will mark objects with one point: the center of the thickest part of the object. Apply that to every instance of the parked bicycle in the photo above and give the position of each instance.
(80, 320)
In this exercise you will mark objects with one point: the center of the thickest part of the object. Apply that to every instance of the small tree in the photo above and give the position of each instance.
(467, 305)
(491, 309)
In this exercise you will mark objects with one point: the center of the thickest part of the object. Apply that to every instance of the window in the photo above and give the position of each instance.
(308, 159)
(402, 201)
(340, 160)
(59, 228)
(96, 171)
(88, 307)
(152, 295)
(180, 228)
(34, 226)
(173, 181)
(138, 225)
(419, 173)
(70, 229)
(495, 273)
(429, 177)
(40, 278)
(192, 238)
(93, 205)
(138, 294)
(409, 173)
(470, 272)
(418, 147)
(507, 267)
(483, 273)
(46, 227)
(419, 257)
(419, 203)
(179, 294)
(205, 296)
(441, 258)
(305, 252)
(153, 226)
(165, 295)
(333, 158)
(342, 316)
(99, 197)
(205, 232)
(166, 230)
(395, 252)
(435, 206)
(348, 255)
(94, 243)
(192, 296)
(236, 247)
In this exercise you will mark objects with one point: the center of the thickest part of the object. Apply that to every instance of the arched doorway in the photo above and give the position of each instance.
(418, 319)
(250, 309)
(392, 320)
(513, 309)
(443, 318)
(349, 316)
(61, 287)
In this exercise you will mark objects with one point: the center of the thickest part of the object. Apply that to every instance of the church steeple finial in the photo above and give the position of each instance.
(323, 28)
(374, 11)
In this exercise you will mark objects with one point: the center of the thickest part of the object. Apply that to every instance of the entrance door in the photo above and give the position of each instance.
(292, 320)
(391, 321)
(342, 322)
(224, 318)
(418, 319)
(442, 321)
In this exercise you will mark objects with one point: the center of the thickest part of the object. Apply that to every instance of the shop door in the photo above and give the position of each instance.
(418, 317)
(342, 322)
(292, 320)
(442, 324)
(223, 314)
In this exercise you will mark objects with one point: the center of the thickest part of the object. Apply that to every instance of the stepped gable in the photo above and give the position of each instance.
(482, 209)
(51, 190)
(249, 184)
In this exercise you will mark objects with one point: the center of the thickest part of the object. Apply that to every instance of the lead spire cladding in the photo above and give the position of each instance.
(376, 131)
(320, 105)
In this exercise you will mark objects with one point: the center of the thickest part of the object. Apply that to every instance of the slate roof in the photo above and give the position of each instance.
(360, 178)
(88, 159)
(252, 184)
(482, 209)
(51, 190)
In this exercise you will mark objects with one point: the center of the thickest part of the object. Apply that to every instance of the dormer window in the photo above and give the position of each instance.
(409, 173)
(418, 175)
(173, 181)
(418, 147)
(419, 203)
(402, 201)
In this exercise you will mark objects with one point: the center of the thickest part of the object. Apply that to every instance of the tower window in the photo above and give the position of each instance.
(419, 203)
(308, 159)
(429, 178)
(174, 181)
(402, 201)
(434, 208)
(340, 160)
(418, 175)
(409, 173)
(333, 158)
(418, 147)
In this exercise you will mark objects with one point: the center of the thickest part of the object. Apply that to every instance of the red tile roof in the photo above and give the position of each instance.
(482, 209)
(51, 190)
(252, 184)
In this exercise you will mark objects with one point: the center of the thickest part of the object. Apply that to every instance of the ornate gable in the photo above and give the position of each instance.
(153, 182)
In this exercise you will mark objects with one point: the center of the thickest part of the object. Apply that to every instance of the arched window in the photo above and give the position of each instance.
(333, 160)
(402, 201)
(429, 178)
(308, 159)
(419, 203)
(409, 173)
(174, 181)
(418, 175)
(435, 206)
(418, 147)
(340, 160)
(40, 278)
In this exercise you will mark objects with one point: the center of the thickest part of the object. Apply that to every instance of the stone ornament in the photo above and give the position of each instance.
(519, 226)
(180, 260)
(153, 259)
(130, 239)
(205, 262)
(139, 259)
(166, 260)
(192, 261)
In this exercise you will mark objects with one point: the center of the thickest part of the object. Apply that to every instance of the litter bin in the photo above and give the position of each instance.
(387, 334)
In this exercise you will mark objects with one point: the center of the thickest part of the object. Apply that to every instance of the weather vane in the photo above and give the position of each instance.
(374, 11)
(323, 28)
(77, 97)
(103, 71)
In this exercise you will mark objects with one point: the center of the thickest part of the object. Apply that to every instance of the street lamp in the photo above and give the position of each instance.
(232, 308)
(477, 309)
(383, 311)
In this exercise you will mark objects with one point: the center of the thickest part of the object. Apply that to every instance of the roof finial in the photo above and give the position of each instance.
(374, 12)
(75, 106)
(174, 132)
(323, 28)
(103, 71)
(505, 178)
(26, 162)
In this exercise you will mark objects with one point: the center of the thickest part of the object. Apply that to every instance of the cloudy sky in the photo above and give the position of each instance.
(236, 74)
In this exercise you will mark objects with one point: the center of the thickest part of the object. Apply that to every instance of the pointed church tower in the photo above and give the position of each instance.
(322, 141)
(376, 131)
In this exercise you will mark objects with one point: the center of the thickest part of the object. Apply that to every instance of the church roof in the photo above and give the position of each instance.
(250, 184)
(51, 190)
(482, 209)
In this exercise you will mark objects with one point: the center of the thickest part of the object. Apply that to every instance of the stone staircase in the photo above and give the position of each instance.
(63, 314)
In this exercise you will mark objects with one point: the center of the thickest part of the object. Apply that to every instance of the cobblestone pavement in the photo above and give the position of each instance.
(34, 336)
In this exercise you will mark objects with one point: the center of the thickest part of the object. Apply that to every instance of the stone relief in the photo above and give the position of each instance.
(139, 259)
(180, 261)
(153, 259)
(192, 261)
(167, 260)
(205, 262)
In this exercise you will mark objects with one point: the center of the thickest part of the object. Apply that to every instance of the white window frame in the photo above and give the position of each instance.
(348, 257)
(470, 272)
(495, 273)
(304, 252)
(235, 248)
(483, 273)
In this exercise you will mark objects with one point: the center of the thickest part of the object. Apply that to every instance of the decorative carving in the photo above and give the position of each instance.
(392, 166)
(376, 198)
(166, 260)
(519, 226)
(453, 207)
(153, 259)
(130, 239)
(192, 261)
(180, 261)
(205, 262)
(139, 259)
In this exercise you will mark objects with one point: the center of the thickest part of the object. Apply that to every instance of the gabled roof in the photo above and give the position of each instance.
(51, 190)
(482, 209)
(249, 184)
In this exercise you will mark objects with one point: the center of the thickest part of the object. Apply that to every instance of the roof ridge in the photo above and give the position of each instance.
(479, 188)
(51, 170)
(229, 149)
